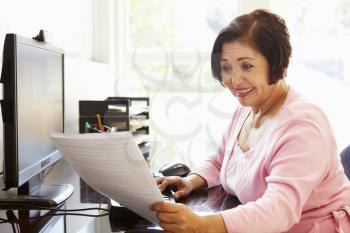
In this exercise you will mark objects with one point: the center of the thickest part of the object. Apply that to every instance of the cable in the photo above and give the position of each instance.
(68, 210)
(58, 214)
(16, 221)
(14, 227)
(74, 214)
(18, 228)
(12, 219)
(54, 209)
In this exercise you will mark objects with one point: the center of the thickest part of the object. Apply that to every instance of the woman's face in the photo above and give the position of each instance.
(245, 71)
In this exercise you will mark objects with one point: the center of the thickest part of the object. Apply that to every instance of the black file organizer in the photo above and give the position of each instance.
(134, 101)
(114, 112)
(141, 104)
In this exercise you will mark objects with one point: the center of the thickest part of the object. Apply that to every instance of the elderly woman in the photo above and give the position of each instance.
(278, 155)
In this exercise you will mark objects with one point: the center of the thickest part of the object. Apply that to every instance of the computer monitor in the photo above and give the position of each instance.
(32, 107)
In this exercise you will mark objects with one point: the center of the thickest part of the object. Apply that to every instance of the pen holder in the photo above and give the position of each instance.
(94, 128)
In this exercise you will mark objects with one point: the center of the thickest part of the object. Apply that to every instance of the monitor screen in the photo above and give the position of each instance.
(32, 108)
(39, 106)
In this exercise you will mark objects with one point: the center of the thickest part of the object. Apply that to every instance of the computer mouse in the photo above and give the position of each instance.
(175, 169)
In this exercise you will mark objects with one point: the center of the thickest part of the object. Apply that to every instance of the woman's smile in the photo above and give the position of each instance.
(242, 92)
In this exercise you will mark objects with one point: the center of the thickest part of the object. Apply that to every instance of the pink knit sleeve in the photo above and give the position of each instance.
(298, 162)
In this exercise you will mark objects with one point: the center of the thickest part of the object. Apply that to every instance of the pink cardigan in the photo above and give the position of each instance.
(292, 181)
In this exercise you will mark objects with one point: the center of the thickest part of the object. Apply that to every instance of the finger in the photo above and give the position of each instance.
(169, 181)
(180, 193)
(167, 217)
(156, 206)
(162, 183)
(168, 227)
(159, 179)
(167, 207)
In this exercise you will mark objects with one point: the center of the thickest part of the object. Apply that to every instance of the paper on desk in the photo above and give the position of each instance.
(113, 165)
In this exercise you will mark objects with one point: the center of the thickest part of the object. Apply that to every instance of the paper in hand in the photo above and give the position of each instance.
(113, 165)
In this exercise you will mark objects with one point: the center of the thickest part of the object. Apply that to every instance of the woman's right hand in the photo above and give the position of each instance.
(181, 186)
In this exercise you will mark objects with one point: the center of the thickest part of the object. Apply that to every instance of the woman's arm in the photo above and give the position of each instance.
(215, 223)
(196, 181)
(298, 162)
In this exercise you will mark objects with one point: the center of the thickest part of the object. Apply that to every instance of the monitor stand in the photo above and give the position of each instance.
(35, 194)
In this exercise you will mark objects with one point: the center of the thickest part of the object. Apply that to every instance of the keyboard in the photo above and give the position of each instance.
(168, 194)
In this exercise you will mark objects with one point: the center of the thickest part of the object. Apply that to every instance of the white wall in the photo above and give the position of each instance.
(85, 80)
(71, 25)
(69, 22)
(331, 95)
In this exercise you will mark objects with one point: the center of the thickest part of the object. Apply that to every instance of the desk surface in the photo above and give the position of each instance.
(211, 200)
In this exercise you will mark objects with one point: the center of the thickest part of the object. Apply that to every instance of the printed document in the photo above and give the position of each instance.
(112, 164)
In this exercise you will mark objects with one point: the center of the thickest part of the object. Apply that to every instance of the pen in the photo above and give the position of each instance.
(95, 129)
(99, 122)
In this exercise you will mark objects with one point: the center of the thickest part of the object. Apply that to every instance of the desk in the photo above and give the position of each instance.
(211, 200)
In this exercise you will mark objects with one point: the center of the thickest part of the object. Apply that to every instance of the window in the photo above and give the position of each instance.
(320, 69)
(169, 45)
(319, 33)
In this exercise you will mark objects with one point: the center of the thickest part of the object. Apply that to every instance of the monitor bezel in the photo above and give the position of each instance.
(13, 177)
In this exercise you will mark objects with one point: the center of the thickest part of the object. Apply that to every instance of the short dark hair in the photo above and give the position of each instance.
(264, 31)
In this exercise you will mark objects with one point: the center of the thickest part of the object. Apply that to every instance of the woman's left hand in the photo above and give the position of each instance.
(178, 218)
